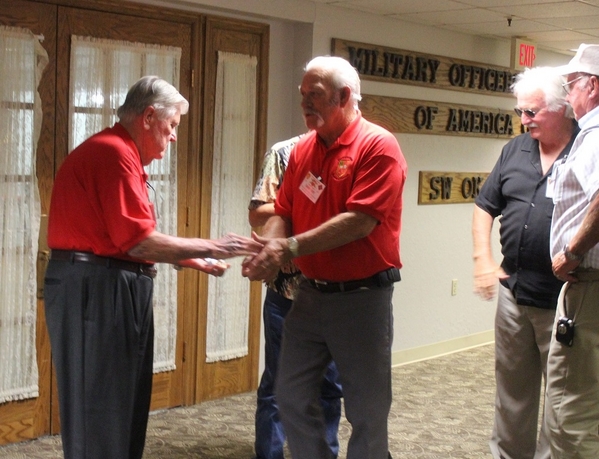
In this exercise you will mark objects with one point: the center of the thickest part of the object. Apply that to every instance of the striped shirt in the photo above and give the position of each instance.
(576, 184)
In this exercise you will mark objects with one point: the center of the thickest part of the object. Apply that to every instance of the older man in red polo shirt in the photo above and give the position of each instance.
(339, 218)
(98, 286)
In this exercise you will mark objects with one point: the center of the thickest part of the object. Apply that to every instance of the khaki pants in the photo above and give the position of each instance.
(572, 402)
(522, 336)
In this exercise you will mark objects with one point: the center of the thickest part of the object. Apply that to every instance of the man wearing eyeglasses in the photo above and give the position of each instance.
(572, 402)
(519, 191)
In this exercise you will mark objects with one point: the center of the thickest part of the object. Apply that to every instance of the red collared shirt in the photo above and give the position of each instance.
(100, 201)
(364, 171)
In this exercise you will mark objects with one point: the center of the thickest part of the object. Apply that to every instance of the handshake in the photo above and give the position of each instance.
(263, 256)
(265, 264)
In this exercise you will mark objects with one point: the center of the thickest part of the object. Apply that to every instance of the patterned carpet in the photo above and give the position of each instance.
(443, 408)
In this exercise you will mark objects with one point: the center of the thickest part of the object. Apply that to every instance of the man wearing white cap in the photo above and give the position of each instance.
(572, 402)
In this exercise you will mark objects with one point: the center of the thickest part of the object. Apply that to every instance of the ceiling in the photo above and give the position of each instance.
(557, 25)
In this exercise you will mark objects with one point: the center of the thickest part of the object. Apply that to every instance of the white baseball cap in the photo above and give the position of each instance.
(586, 60)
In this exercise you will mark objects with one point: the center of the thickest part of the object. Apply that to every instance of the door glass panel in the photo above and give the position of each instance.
(23, 60)
(102, 71)
(234, 140)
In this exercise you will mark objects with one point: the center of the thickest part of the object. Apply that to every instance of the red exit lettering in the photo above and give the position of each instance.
(527, 55)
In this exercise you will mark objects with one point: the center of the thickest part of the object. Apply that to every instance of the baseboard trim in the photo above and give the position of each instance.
(430, 351)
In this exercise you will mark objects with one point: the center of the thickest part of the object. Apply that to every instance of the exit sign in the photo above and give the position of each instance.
(524, 54)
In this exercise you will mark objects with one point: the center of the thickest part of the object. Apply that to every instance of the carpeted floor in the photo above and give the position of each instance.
(442, 408)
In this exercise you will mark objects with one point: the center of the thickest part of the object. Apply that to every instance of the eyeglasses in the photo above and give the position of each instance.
(527, 111)
(566, 85)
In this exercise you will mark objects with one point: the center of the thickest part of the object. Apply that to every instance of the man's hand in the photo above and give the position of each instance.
(563, 267)
(486, 271)
(486, 275)
(233, 245)
(208, 265)
(266, 264)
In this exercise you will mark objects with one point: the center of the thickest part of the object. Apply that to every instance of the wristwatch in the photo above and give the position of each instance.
(293, 246)
(572, 256)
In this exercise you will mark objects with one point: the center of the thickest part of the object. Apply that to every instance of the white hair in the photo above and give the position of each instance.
(545, 79)
(341, 74)
(152, 91)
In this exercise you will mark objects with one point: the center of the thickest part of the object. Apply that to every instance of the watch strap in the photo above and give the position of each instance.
(293, 246)
(572, 256)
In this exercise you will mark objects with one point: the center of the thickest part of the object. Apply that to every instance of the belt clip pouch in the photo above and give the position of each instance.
(564, 331)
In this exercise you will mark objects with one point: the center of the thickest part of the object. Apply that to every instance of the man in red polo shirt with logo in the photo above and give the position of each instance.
(98, 286)
(338, 215)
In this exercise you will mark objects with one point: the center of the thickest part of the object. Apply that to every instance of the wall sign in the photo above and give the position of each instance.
(438, 118)
(449, 187)
(523, 54)
(407, 67)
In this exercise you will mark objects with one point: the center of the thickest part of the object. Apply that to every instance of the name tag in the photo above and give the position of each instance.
(312, 187)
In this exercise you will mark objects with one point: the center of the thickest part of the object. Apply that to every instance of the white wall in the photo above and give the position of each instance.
(436, 241)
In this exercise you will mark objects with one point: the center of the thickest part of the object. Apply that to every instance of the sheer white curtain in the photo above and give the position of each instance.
(22, 61)
(234, 140)
(102, 71)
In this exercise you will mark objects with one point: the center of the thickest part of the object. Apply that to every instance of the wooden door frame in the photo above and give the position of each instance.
(188, 226)
(167, 386)
(218, 379)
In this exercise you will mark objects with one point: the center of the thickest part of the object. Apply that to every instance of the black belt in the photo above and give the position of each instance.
(87, 257)
(382, 279)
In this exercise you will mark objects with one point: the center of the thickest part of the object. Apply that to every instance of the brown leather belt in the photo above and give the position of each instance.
(87, 257)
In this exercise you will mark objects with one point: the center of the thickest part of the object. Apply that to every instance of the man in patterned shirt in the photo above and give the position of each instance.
(270, 435)
(572, 402)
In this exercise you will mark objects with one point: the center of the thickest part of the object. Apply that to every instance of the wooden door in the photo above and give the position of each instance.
(30, 418)
(218, 379)
(168, 386)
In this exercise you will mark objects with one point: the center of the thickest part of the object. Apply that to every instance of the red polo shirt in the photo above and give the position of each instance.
(100, 201)
(365, 171)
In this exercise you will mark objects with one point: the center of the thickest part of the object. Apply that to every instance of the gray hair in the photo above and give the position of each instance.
(152, 91)
(341, 74)
(549, 81)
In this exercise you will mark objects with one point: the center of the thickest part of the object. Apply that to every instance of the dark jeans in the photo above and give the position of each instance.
(270, 435)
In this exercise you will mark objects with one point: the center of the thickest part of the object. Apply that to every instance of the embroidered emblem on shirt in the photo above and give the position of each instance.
(342, 167)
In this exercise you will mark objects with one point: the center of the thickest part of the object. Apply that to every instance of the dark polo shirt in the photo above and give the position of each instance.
(516, 191)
